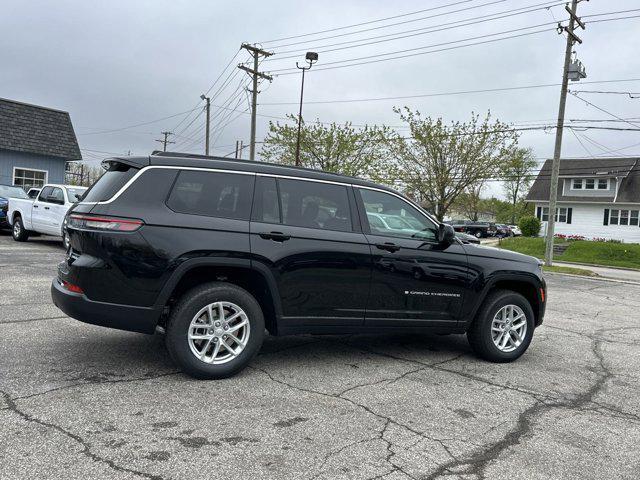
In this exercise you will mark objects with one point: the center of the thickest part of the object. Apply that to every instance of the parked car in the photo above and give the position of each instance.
(7, 192)
(33, 192)
(44, 214)
(516, 230)
(477, 229)
(214, 251)
(503, 230)
(466, 238)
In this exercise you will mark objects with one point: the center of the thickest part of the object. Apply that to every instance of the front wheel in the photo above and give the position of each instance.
(503, 329)
(19, 233)
(215, 330)
(478, 234)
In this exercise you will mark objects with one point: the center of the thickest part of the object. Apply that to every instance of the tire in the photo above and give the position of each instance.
(181, 323)
(480, 334)
(18, 231)
(477, 234)
(65, 240)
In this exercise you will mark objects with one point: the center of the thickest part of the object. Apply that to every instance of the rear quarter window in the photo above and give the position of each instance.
(109, 184)
(212, 194)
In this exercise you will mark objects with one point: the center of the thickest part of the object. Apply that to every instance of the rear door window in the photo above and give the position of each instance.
(44, 193)
(315, 205)
(213, 194)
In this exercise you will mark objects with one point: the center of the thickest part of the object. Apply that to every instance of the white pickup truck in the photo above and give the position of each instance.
(44, 214)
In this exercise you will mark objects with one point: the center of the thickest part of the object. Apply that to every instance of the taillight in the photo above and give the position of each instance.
(112, 224)
(71, 287)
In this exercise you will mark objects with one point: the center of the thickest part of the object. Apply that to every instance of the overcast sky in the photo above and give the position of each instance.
(117, 64)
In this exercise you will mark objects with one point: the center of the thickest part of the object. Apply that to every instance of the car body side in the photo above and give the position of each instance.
(131, 280)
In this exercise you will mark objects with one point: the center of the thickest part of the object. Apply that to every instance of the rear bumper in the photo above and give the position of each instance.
(111, 315)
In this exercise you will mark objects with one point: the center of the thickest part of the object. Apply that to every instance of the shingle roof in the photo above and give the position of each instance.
(34, 129)
(628, 169)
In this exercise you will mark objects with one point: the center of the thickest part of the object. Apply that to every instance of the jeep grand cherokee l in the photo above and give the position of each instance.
(215, 251)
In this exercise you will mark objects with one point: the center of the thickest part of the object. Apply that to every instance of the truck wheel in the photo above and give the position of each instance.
(478, 233)
(19, 232)
(503, 328)
(215, 330)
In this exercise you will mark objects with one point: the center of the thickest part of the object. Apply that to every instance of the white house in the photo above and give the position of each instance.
(597, 198)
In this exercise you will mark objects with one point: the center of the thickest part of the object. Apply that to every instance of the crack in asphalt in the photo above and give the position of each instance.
(478, 462)
(33, 320)
(93, 381)
(86, 447)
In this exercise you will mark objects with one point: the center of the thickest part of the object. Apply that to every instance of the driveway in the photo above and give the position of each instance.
(78, 401)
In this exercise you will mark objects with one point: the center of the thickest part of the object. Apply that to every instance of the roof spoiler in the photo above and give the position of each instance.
(117, 163)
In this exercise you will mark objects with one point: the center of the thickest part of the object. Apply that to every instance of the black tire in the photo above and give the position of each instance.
(65, 239)
(184, 312)
(477, 234)
(479, 334)
(18, 231)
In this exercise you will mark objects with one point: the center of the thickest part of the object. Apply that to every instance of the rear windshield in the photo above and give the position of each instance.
(7, 191)
(108, 184)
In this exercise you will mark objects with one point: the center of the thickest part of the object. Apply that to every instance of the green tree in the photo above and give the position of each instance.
(517, 175)
(331, 148)
(441, 161)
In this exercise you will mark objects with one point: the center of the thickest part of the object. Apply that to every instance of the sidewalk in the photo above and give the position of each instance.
(607, 272)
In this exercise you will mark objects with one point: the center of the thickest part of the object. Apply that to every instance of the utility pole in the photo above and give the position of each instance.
(165, 141)
(555, 166)
(255, 74)
(311, 58)
(206, 138)
(239, 148)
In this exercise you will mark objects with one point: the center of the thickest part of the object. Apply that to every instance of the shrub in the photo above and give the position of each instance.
(529, 226)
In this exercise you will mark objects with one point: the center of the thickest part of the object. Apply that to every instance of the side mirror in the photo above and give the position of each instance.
(446, 235)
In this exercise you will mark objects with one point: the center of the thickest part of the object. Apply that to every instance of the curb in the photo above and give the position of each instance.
(599, 278)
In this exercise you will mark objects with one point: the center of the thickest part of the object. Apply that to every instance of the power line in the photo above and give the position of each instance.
(139, 124)
(288, 71)
(368, 23)
(603, 110)
(462, 92)
(366, 62)
(429, 29)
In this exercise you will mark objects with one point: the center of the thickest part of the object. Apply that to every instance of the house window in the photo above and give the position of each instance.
(624, 217)
(561, 214)
(590, 184)
(29, 178)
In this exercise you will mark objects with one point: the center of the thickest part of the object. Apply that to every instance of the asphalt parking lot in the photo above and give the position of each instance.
(78, 401)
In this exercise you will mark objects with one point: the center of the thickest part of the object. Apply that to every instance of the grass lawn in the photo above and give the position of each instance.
(571, 270)
(597, 253)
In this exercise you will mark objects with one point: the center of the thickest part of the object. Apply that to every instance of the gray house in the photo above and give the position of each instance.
(35, 144)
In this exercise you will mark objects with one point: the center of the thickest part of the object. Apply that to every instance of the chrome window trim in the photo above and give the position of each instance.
(260, 174)
(166, 167)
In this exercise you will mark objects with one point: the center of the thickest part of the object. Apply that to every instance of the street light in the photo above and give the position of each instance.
(206, 139)
(311, 58)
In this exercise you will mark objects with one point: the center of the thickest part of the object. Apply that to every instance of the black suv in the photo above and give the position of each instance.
(215, 251)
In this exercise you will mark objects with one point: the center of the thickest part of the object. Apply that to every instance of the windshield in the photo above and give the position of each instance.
(75, 194)
(8, 191)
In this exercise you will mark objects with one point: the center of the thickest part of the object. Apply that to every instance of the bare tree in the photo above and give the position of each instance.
(439, 162)
(82, 174)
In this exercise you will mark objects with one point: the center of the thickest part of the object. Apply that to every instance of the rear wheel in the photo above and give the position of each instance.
(215, 330)
(503, 329)
(19, 233)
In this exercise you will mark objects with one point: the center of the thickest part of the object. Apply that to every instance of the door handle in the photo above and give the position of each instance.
(46, 208)
(35, 206)
(275, 236)
(388, 246)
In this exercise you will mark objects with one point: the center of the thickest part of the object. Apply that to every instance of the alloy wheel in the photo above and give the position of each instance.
(218, 333)
(509, 328)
